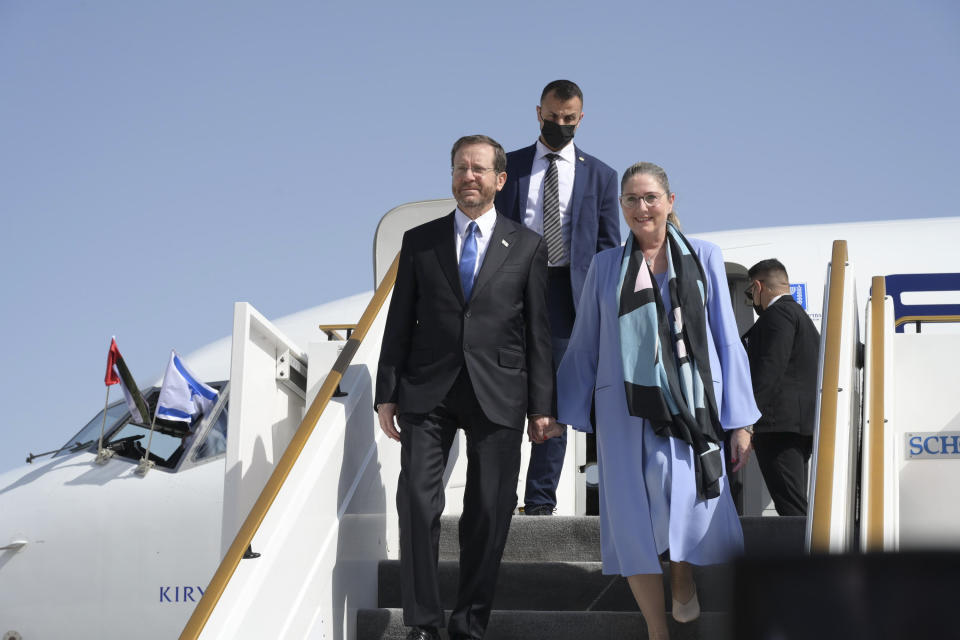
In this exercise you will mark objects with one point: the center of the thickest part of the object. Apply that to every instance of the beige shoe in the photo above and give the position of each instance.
(686, 611)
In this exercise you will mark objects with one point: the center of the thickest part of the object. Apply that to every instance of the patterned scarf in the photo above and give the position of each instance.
(674, 392)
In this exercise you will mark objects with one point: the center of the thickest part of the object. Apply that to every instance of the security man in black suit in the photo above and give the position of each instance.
(782, 346)
(466, 345)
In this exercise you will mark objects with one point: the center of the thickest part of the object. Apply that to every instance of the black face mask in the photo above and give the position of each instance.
(557, 136)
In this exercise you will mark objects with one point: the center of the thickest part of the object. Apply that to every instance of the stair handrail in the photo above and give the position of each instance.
(897, 284)
(873, 517)
(941, 319)
(821, 513)
(211, 596)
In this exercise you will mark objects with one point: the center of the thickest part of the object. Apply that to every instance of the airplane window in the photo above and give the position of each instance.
(90, 434)
(168, 443)
(130, 441)
(215, 441)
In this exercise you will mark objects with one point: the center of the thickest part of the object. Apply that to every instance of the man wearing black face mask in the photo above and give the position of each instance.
(569, 197)
(782, 346)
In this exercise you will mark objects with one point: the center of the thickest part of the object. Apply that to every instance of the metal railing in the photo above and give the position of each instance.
(874, 511)
(829, 394)
(919, 319)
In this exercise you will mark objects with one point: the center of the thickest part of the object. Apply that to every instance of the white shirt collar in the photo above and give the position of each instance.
(770, 304)
(484, 223)
(568, 153)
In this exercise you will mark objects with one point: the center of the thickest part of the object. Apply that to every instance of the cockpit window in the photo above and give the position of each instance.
(90, 434)
(168, 442)
(131, 440)
(215, 441)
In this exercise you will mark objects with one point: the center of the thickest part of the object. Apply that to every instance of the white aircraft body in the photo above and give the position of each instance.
(102, 551)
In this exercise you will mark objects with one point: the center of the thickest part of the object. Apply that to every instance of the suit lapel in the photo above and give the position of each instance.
(580, 177)
(500, 243)
(446, 249)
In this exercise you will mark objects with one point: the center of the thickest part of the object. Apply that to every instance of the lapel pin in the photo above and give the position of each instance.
(581, 159)
(505, 243)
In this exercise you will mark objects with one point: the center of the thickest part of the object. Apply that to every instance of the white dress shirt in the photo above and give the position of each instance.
(566, 166)
(485, 224)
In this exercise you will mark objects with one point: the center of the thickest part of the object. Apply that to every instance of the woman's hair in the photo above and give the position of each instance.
(648, 169)
(658, 174)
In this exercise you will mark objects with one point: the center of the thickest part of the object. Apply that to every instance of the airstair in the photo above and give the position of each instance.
(886, 463)
(551, 586)
(310, 540)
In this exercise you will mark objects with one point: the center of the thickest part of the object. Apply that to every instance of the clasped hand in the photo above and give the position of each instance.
(542, 428)
(539, 428)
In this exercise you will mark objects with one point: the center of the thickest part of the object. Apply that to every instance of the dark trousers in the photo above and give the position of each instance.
(493, 467)
(783, 459)
(734, 480)
(546, 459)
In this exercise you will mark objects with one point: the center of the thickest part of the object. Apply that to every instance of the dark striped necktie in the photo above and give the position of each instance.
(552, 231)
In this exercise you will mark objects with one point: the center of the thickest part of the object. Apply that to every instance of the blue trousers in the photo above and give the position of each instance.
(546, 459)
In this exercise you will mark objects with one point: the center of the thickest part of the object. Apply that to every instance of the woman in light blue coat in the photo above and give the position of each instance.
(656, 345)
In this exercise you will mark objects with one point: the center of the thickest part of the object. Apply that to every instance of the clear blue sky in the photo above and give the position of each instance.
(161, 160)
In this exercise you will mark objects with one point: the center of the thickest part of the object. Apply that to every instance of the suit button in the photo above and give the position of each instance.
(466, 347)
(466, 314)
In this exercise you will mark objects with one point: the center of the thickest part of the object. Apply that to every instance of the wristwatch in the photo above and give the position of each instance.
(749, 429)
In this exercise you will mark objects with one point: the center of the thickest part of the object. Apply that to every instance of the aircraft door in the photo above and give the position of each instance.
(737, 282)
(749, 492)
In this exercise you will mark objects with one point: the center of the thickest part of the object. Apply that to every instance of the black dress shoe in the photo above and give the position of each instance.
(423, 633)
(539, 510)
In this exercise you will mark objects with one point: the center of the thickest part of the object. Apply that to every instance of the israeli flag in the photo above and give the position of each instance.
(182, 396)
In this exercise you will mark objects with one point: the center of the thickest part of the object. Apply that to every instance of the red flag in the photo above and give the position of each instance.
(117, 372)
(112, 357)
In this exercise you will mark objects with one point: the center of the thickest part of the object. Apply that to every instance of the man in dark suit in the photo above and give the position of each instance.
(782, 346)
(466, 344)
(570, 198)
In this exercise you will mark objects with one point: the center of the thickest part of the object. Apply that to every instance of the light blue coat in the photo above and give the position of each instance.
(648, 497)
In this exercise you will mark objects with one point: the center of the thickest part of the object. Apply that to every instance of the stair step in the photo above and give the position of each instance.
(577, 538)
(387, 624)
(773, 535)
(536, 538)
(559, 586)
(551, 584)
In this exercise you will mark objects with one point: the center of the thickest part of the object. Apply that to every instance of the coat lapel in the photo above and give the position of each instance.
(446, 249)
(500, 244)
(576, 198)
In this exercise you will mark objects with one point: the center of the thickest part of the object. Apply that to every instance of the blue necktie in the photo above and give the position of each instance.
(468, 260)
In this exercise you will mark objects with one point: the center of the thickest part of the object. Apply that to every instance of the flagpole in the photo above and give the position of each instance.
(103, 456)
(145, 462)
